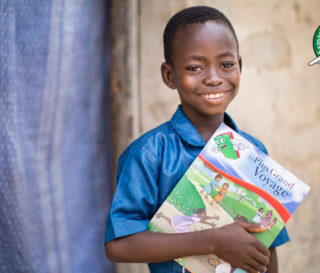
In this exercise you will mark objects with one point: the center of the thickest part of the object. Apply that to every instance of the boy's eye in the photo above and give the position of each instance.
(228, 65)
(194, 68)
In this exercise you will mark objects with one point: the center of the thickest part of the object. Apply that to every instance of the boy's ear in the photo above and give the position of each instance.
(240, 63)
(167, 75)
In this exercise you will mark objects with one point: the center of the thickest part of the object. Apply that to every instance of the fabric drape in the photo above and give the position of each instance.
(54, 142)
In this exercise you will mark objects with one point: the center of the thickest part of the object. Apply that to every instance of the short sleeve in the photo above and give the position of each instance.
(136, 195)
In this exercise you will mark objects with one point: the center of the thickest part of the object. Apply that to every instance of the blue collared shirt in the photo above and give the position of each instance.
(149, 169)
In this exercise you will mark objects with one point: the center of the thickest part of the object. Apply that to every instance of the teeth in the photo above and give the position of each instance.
(213, 96)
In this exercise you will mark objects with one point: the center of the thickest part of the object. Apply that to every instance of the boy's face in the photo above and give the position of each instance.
(205, 69)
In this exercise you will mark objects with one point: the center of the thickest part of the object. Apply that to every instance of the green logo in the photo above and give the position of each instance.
(226, 147)
(316, 47)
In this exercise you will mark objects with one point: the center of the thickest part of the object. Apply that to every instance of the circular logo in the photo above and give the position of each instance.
(316, 42)
(316, 47)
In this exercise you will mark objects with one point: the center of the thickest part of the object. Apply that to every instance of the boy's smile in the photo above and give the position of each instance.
(205, 70)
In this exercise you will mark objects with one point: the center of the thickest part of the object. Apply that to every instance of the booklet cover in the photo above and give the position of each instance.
(230, 180)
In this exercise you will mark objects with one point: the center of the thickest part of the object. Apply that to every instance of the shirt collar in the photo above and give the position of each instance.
(185, 129)
(188, 132)
(229, 121)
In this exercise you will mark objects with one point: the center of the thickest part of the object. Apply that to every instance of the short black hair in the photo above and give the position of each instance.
(191, 15)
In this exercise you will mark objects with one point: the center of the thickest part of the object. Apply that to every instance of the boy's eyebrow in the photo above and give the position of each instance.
(195, 57)
(202, 58)
(225, 54)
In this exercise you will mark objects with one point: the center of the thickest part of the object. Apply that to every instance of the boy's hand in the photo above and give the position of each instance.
(234, 244)
(253, 227)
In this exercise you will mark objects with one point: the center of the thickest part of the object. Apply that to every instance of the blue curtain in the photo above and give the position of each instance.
(54, 143)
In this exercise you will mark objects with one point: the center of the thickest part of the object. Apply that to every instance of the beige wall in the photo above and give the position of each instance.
(278, 102)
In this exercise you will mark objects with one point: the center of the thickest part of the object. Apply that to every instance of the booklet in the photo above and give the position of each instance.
(230, 180)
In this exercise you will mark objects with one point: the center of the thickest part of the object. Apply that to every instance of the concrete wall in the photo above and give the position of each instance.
(278, 101)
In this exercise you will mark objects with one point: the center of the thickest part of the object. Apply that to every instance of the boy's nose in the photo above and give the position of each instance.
(212, 78)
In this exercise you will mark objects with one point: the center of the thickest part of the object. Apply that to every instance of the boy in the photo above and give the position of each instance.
(202, 62)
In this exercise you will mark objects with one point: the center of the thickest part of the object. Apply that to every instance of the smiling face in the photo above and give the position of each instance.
(205, 69)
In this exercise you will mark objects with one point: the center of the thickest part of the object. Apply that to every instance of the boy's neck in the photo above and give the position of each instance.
(206, 126)
(207, 130)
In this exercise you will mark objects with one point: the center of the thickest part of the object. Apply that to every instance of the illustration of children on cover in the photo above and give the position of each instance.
(273, 221)
(257, 218)
(265, 220)
(214, 183)
(182, 223)
(222, 192)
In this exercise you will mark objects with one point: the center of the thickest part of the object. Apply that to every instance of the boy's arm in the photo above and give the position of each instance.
(232, 243)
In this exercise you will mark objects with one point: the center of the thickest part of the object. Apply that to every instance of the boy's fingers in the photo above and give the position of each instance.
(252, 227)
(262, 259)
(250, 269)
(256, 229)
(256, 266)
(259, 260)
(262, 249)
